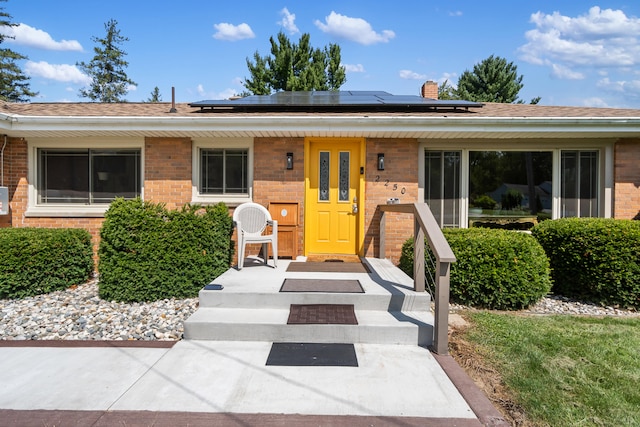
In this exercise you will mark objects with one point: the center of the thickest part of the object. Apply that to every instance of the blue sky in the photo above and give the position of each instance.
(577, 53)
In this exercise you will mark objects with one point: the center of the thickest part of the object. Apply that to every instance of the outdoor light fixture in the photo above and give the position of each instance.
(289, 160)
(380, 161)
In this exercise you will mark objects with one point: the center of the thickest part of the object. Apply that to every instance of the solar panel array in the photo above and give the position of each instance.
(332, 100)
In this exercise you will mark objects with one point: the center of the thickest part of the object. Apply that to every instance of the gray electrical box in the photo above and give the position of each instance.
(4, 201)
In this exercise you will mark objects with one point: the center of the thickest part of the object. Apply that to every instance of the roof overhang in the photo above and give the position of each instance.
(372, 126)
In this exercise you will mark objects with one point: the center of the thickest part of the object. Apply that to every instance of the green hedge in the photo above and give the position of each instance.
(495, 269)
(36, 261)
(594, 259)
(148, 253)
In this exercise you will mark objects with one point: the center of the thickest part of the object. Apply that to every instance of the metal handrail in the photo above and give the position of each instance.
(426, 226)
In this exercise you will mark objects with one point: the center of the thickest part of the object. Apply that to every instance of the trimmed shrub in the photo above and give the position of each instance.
(148, 253)
(594, 259)
(494, 269)
(35, 261)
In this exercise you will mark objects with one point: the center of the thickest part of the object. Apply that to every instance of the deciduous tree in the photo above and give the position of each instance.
(110, 82)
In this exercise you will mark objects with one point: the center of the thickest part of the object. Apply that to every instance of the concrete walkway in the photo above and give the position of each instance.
(227, 382)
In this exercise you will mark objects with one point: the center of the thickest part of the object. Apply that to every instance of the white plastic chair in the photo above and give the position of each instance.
(251, 219)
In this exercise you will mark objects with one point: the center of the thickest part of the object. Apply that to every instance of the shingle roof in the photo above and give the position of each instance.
(491, 121)
(131, 109)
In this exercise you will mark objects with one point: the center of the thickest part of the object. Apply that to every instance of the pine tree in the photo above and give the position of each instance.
(155, 95)
(110, 82)
(492, 80)
(295, 67)
(14, 84)
(446, 91)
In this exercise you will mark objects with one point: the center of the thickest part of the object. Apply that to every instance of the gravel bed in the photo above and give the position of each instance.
(78, 313)
(554, 304)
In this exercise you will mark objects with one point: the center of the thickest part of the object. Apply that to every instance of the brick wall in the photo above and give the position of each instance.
(398, 179)
(15, 178)
(273, 182)
(167, 173)
(167, 180)
(627, 179)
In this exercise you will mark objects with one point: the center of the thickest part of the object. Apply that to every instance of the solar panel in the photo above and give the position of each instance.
(331, 100)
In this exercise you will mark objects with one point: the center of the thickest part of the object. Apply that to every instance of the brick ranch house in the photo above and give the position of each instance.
(321, 162)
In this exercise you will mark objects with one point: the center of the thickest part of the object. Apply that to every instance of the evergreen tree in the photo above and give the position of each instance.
(155, 95)
(14, 84)
(492, 80)
(110, 82)
(446, 91)
(295, 67)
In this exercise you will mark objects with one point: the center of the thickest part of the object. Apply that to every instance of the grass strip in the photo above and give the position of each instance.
(565, 370)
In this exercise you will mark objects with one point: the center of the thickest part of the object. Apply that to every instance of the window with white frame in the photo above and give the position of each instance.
(442, 188)
(579, 184)
(87, 176)
(222, 170)
(503, 186)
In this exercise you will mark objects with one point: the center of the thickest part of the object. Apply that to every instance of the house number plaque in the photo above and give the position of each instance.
(394, 186)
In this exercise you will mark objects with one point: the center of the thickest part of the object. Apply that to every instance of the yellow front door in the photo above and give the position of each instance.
(333, 198)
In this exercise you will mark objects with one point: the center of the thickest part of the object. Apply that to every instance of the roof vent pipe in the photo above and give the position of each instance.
(173, 100)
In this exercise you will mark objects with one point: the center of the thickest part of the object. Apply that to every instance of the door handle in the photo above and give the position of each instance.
(354, 208)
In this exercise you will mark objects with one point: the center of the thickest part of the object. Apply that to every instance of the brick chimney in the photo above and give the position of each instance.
(430, 90)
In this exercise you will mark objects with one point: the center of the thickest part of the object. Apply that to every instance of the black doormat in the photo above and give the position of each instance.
(321, 285)
(322, 314)
(328, 267)
(312, 354)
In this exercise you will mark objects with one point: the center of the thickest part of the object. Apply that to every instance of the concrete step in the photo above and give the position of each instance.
(393, 300)
(270, 325)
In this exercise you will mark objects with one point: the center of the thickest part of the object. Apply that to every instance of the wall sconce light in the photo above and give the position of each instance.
(380, 161)
(289, 160)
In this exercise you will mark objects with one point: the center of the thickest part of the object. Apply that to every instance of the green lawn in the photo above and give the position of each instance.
(565, 370)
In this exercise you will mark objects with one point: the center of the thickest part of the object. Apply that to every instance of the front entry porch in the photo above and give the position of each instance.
(236, 329)
(251, 307)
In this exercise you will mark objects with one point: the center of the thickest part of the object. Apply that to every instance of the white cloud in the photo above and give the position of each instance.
(26, 35)
(626, 87)
(224, 94)
(412, 75)
(562, 72)
(230, 32)
(456, 13)
(354, 68)
(288, 21)
(595, 102)
(600, 38)
(354, 29)
(57, 72)
(450, 78)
